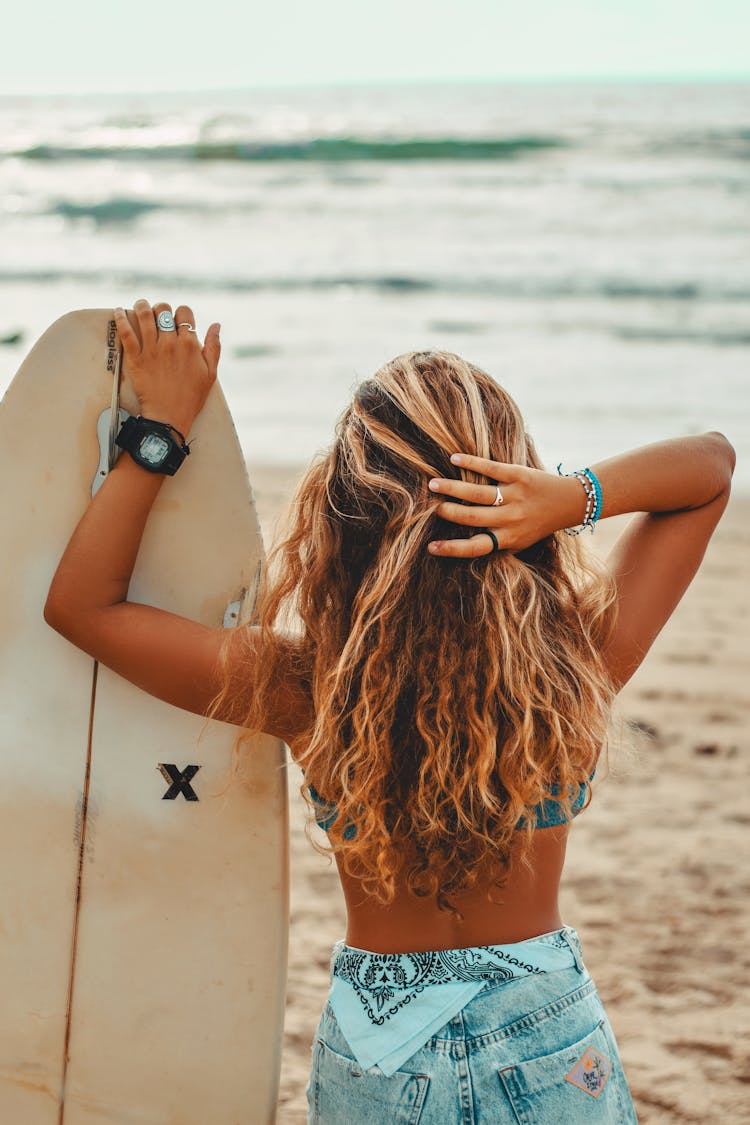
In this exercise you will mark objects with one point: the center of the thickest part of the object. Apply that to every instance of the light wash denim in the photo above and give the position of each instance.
(528, 1051)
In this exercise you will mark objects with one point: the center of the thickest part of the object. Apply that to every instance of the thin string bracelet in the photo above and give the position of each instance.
(593, 489)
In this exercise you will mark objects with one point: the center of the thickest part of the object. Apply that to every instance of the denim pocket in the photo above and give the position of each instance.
(342, 1093)
(582, 1083)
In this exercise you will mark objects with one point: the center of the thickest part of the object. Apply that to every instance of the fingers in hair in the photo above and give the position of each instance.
(495, 470)
(484, 516)
(471, 548)
(464, 490)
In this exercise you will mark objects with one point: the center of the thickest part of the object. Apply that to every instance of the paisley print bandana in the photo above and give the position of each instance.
(389, 1004)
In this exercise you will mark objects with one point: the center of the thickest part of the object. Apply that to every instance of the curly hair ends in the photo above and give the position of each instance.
(449, 695)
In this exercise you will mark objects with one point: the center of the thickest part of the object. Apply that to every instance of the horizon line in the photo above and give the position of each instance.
(386, 83)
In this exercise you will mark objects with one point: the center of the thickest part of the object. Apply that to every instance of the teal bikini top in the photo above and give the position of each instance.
(549, 812)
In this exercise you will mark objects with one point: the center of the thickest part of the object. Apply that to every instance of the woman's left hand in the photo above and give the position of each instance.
(170, 371)
(524, 506)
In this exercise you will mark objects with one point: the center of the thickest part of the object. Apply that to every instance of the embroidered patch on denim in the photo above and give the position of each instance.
(590, 1072)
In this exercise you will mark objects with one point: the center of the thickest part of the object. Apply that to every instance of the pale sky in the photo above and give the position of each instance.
(88, 45)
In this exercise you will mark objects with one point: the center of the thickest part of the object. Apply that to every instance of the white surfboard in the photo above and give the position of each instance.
(143, 894)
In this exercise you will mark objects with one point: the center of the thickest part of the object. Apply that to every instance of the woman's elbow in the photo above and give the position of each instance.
(727, 454)
(50, 613)
(53, 615)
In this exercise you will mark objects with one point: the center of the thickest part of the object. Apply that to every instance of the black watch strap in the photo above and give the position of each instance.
(152, 444)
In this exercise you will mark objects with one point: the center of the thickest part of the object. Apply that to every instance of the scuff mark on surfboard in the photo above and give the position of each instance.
(92, 810)
(28, 1082)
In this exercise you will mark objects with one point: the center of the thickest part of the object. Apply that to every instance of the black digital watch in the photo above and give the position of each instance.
(152, 445)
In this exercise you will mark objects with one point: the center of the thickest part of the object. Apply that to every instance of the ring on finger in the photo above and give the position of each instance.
(186, 324)
(165, 321)
(493, 537)
(498, 498)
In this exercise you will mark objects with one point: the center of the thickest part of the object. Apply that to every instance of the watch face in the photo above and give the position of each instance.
(154, 449)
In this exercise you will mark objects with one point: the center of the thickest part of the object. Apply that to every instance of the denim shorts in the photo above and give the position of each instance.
(532, 1051)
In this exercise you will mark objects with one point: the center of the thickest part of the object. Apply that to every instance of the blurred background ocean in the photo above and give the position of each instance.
(587, 243)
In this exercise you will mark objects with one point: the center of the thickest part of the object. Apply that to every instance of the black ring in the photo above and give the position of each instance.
(493, 538)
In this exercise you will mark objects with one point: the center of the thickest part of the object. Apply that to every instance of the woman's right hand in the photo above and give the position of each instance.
(171, 373)
(535, 503)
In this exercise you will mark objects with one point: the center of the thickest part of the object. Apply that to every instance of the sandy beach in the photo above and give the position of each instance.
(656, 882)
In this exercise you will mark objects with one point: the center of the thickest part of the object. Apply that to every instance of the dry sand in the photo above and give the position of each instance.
(656, 881)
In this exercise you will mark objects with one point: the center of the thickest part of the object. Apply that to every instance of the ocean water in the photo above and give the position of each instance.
(589, 245)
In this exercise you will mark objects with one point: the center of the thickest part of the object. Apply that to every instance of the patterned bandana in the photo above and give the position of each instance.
(389, 1004)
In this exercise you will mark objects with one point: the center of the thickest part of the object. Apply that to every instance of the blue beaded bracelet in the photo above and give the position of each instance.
(593, 490)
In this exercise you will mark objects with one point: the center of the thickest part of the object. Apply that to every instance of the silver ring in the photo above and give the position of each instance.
(186, 324)
(498, 499)
(165, 321)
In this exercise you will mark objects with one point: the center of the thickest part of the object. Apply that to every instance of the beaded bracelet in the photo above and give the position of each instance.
(593, 490)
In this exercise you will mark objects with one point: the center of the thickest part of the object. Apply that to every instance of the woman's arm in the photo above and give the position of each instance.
(682, 487)
(164, 654)
(172, 376)
(656, 557)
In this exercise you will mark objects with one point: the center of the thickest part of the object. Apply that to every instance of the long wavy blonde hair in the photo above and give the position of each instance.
(448, 696)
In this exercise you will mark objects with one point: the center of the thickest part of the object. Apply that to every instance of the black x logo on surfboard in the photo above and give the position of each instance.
(179, 781)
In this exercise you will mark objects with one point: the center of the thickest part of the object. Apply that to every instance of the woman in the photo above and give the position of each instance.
(445, 678)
